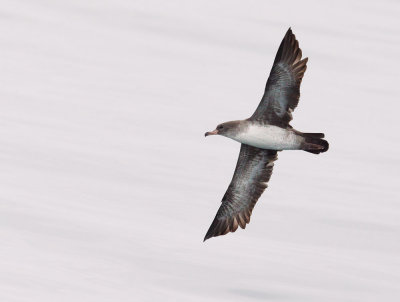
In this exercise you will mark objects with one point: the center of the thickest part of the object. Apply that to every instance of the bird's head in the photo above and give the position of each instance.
(227, 129)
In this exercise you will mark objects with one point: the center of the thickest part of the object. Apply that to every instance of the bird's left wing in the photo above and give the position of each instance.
(282, 91)
(252, 173)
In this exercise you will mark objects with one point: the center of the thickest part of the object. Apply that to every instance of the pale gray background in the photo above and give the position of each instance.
(108, 184)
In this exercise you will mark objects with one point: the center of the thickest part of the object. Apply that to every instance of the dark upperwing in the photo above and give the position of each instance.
(282, 90)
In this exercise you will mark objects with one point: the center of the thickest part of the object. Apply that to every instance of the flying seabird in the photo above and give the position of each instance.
(261, 136)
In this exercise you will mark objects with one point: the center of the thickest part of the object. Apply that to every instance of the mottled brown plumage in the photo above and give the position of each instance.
(252, 173)
(282, 90)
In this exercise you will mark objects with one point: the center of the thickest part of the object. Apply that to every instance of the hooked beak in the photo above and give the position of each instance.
(211, 133)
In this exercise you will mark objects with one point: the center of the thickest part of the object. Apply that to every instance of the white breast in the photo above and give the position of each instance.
(269, 137)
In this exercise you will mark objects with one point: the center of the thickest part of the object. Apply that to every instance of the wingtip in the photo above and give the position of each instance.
(212, 232)
(206, 237)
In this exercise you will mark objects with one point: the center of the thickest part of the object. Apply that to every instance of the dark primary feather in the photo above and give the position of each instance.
(282, 91)
(252, 173)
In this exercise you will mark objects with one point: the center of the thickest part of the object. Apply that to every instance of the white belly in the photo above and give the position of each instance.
(269, 137)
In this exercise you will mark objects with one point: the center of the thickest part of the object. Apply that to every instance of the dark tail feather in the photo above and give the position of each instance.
(314, 143)
(314, 135)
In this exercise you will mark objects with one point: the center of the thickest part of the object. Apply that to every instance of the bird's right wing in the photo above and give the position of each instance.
(252, 173)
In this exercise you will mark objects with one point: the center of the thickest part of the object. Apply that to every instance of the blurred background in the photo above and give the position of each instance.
(108, 185)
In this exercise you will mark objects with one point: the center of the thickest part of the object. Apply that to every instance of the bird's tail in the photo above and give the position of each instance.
(314, 143)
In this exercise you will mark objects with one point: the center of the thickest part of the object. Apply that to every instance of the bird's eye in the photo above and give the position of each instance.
(220, 127)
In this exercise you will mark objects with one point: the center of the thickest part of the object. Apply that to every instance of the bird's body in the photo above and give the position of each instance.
(261, 136)
(266, 136)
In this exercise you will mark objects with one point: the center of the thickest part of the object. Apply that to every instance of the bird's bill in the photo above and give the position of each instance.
(215, 132)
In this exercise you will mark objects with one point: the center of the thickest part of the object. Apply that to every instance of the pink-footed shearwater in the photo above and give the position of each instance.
(262, 135)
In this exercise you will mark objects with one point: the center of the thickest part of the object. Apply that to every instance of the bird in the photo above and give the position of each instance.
(262, 135)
